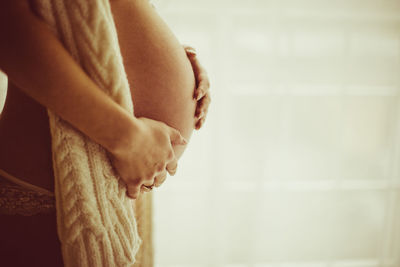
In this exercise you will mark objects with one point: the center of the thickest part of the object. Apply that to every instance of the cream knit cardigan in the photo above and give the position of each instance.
(95, 220)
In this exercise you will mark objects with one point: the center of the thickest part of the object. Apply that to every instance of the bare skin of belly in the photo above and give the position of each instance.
(162, 84)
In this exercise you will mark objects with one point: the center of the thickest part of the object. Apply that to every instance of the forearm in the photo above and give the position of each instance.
(35, 60)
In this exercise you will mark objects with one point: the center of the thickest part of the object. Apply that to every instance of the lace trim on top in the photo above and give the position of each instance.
(20, 198)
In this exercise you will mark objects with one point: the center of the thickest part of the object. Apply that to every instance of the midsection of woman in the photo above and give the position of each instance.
(160, 74)
(162, 84)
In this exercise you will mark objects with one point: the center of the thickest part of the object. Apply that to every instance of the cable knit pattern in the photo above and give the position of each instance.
(96, 221)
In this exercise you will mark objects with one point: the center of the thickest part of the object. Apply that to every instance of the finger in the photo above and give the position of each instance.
(160, 178)
(202, 106)
(189, 50)
(203, 87)
(186, 47)
(202, 80)
(198, 70)
(171, 155)
(172, 167)
(133, 191)
(145, 189)
(176, 137)
(148, 179)
(159, 167)
(148, 183)
(199, 123)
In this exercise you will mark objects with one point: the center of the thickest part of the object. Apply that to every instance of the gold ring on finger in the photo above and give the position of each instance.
(149, 186)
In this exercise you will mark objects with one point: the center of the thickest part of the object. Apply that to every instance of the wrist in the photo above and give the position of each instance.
(122, 139)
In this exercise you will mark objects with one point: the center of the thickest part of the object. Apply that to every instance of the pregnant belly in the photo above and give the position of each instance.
(159, 73)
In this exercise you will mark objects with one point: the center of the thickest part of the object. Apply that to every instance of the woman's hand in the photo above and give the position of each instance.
(148, 154)
(202, 92)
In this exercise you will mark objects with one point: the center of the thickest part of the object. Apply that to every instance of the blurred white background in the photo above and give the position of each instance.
(298, 162)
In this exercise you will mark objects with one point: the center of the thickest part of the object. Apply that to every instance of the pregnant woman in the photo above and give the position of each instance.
(169, 92)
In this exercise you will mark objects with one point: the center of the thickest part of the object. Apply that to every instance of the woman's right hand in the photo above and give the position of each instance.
(148, 154)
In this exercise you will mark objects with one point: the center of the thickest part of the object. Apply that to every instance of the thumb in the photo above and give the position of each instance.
(177, 138)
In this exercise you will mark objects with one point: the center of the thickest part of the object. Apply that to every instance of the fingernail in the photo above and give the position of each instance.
(184, 141)
(191, 51)
(199, 94)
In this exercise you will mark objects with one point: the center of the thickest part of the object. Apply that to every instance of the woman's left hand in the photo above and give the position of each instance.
(202, 91)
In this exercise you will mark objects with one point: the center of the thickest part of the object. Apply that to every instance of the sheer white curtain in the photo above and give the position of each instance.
(298, 162)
